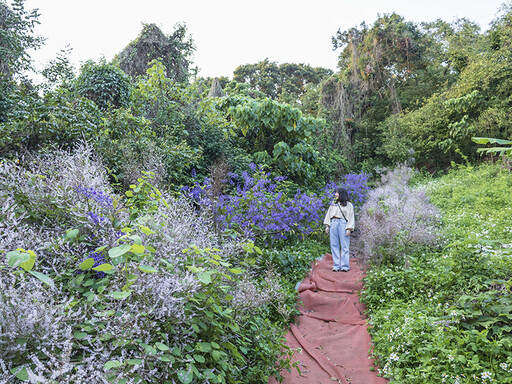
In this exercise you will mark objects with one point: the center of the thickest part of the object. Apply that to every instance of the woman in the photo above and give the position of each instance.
(339, 222)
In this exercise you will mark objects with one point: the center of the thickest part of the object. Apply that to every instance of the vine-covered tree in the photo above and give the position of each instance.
(173, 51)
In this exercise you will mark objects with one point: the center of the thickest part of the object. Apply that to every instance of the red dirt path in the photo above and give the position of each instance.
(331, 329)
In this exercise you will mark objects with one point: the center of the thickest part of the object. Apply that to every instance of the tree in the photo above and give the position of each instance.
(105, 84)
(285, 82)
(173, 51)
(274, 134)
(16, 39)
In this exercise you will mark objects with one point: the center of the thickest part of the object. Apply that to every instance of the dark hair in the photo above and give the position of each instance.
(342, 196)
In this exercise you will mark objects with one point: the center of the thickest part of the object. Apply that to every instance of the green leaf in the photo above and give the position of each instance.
(162, 346)
(41, 276)
(112, 364)
(205, 277)
(79, 335)
(21, 374)
(28, 265)
(216, 355)
(199, 358)
(235, 271)
(17, 258)
(185, 377)
(72, 233)
(203, 347)
(86, 264)
(147, 269)
(137, 248)
(133, 361)
(119, 251)
(146, 230)
(103, 267)
(120, 295)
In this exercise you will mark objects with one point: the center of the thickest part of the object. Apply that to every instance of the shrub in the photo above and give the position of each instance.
(112, 275)
(263, 208)
(396, 219)
(105, 84)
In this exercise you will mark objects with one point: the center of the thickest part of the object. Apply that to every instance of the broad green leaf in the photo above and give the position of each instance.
(21, 374)
(485, 140)
(79, 335)
(16, 258)
(136, 239)
(216, 355)
(28, 265)
(162, 346)
(199, 358)
(147, 269)
(86, 264)
(203, 347)
(103, 267)
(119, 251)
(120, 295)
(112, 364)
(235, 271)
(41, 276)
(185, 377)
(205, 277)
(133, 361)
(72, 233)
(137, 248)
(146, 230)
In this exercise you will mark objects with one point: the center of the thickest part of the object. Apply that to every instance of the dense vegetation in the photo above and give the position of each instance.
(154, 224)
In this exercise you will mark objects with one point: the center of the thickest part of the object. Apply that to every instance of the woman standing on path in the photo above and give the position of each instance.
(339, 222)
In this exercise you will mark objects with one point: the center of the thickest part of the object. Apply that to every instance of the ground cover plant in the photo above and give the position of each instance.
(446, 315)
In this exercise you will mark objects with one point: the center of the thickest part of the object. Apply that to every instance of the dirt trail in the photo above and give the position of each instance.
(331, 330)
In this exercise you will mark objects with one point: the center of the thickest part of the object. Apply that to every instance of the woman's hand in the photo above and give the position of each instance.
(348, 232)
(327, 229)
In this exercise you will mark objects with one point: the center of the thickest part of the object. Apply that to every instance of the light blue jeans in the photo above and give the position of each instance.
(340, 244)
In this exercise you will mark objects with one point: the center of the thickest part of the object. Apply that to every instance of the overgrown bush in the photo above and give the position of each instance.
(396, 219)
(141, 287)
(267, 209)
(105, 84)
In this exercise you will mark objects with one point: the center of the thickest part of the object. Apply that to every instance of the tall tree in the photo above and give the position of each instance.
(173, 51)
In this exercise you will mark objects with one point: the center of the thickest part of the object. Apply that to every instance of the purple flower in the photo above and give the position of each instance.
(103, 200)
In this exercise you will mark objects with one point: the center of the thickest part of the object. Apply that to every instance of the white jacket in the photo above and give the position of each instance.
(334, 211)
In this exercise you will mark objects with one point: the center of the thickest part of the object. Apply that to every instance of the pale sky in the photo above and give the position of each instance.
(229, 33)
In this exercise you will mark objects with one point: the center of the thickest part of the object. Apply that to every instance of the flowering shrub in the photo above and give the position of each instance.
(396, 219)
(260, 207)
(97, 288)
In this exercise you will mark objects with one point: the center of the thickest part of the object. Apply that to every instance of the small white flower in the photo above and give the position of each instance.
(486, 375)
(393, 357)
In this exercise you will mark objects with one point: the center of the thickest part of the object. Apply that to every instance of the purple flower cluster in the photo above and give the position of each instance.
(99, 258)
(95, 218)
(356, 185)
(103, 200)
(259, 207)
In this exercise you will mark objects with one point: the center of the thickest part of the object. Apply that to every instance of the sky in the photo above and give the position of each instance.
(229, 33)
